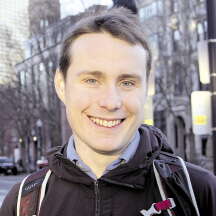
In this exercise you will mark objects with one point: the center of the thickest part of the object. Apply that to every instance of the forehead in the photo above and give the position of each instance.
(101, 51)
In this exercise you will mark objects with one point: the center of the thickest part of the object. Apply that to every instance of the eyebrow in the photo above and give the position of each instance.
(130, 76)
(93, 73)
(99, 74)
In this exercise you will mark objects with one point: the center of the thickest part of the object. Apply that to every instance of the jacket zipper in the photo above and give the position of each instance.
(97, 199)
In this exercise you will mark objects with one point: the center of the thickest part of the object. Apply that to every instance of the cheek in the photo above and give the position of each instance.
(134, 103)
(78, 100)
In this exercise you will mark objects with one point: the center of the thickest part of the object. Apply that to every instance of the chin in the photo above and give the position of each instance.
(109, 149)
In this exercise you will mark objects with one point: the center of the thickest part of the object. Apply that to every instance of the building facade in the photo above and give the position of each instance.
(13, 33)
(38, 70)
(174, 29)
(35, 74)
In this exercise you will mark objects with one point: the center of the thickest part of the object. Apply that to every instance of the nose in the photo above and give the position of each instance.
(110, 99)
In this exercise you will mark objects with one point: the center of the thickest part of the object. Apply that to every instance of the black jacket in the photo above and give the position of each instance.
(124, 191)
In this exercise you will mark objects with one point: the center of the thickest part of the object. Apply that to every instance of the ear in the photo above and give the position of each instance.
(59, 82)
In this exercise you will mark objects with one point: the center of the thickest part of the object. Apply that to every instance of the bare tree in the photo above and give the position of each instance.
(24, 100)
(175, 63)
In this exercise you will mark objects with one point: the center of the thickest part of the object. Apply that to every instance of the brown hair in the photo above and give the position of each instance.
(119, 22)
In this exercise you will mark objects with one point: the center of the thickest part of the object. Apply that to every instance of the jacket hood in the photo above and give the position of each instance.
(132, 174)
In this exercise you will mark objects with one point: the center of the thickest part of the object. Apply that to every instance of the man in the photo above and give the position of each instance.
(108, 166)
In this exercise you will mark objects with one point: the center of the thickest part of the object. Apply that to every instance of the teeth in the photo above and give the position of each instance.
(110, 124)
(105, 123)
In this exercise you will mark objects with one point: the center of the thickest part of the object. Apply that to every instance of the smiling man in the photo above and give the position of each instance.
(104, 93)
(112, 164)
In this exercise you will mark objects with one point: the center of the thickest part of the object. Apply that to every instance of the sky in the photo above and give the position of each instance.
(72, 7)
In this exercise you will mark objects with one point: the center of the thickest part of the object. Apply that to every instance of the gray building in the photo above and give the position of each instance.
(13, 33)
(36, 72)
(36, 75)
(174, 29)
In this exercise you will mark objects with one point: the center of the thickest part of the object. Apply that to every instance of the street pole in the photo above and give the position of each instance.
(39, 125)
(211, 16)
(40, 142)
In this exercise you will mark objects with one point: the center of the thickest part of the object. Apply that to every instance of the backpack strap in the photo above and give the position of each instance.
(43, 188)
(163, 170)
(31, 193)
(161, 188)
(189, 184)
(20, 194)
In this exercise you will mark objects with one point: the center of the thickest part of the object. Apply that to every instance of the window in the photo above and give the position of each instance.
(35, 68)
(28, 49)
(153, 38)
(23, 78)
(176, 35)
(2, 66)
(55, 37)
(50, 68)
(59, 37)
(43, 23)
(44, 42)
(202, 30)
(154, 9)
(36, 74)
(175, 6)
(33, 75)
(31, 49)
(41, 67)
(176, 39)
(46, 23)
(205, 29)
(50, 65)
(204, 141)
(178, 75)
(157, 85)
(160, 120)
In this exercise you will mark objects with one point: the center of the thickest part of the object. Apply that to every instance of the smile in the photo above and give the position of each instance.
(106, 123)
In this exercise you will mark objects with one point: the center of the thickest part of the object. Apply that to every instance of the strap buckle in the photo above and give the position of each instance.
(156, 208)
(150, 211)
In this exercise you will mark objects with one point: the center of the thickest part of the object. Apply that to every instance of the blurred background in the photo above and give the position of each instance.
(32, 119)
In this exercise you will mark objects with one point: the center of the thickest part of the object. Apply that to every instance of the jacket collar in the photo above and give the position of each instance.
(131, 174)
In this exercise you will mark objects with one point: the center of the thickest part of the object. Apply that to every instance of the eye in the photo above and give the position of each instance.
(91, 81)
(128, 84)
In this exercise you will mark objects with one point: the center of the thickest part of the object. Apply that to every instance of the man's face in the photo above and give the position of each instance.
(104, 92)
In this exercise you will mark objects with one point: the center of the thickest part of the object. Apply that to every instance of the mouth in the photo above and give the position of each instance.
(107, 123)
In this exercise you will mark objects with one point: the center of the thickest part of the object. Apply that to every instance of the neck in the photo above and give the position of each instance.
(95, 160)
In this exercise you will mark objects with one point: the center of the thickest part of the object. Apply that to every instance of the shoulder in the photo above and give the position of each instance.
(9, 204)
(203, 183)
(201, 178)
(204, 186)
(32, 182)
